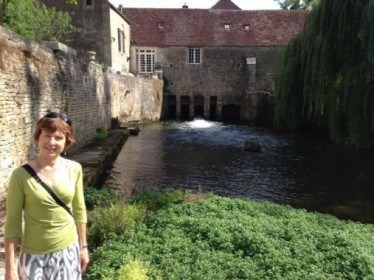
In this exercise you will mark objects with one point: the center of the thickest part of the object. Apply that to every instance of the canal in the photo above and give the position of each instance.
(303, 171)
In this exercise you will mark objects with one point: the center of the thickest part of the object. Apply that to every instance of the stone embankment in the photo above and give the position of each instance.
(95, 158)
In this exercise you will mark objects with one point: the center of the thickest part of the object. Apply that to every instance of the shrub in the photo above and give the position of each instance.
(101, 133)
(134, 270)
(95, 197)
(221, 238)
(113, 221)
(154, 200)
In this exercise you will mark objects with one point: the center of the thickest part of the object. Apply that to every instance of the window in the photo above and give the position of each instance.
(227, 26)
(145, 61)
(161, 25)
(121, 40)
(194, 56)
(246, 27)
(88, 4)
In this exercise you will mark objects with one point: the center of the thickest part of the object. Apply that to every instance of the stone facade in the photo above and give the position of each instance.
(103, 29)
(219, 63)
(226, 76)
(35, 79)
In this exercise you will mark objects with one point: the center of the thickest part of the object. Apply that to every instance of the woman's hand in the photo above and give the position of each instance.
(84, 258)
(83, 254)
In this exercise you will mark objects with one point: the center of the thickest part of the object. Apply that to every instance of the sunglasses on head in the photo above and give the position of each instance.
(54, 115)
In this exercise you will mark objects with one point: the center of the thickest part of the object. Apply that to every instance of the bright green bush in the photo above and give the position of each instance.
(134, 270)
(222, 238)
(116, 219)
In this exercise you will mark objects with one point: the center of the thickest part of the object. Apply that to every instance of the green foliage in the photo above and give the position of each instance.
(327, 79)
(113, 220)
(134, 270)
(297, 4)
(95, 197)
(221, 238)
(20, 18)
(53, 25)
(154, 200)
(101, 133)
(37, 22)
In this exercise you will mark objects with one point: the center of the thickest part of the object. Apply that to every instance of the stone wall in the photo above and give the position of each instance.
(35, 79)
(242, 76)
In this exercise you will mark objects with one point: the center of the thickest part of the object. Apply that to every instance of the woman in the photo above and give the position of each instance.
(53, 242)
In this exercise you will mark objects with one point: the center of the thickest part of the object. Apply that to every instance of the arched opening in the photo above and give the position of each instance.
(185, 107)
(171, 107)
(199, 106)
(231, 113)
(213, 108)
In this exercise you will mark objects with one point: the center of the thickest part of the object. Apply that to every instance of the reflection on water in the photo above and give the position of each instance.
(301, 171)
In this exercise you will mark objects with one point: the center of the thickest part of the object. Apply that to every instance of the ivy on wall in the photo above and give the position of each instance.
(327, 79)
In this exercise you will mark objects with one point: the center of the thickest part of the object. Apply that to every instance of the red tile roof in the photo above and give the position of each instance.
(225, 5)
(206, 27)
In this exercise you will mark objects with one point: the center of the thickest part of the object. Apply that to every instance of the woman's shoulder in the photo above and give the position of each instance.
(19, 173)
(19, 170)
(73, 164)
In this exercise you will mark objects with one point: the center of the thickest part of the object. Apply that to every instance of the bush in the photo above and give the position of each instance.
(101, 133)
(154, 200)
(95, 197)
(113, 221)
(134, 270)
(221, 238)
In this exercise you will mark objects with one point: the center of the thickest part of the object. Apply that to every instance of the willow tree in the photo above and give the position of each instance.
(327, 79)
(297, 4)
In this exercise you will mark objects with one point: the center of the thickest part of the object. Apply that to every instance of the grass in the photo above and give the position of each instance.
(221, 238)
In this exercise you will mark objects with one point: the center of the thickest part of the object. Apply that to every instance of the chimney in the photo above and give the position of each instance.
(185, 6)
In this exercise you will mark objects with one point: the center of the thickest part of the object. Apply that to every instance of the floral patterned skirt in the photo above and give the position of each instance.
(59, 265)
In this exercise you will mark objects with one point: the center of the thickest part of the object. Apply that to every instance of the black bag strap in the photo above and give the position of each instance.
(44, 185)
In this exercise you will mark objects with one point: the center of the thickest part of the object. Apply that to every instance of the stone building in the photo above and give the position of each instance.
(104, 30)
(219, 63)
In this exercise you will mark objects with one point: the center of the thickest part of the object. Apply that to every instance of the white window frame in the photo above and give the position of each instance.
(145, 60)
(194, 56)
(121, 40)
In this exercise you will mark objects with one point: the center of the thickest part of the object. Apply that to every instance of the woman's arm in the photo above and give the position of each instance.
(11, 245)
(84, 258)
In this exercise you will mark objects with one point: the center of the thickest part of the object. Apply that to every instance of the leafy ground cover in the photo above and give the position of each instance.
(222, 238)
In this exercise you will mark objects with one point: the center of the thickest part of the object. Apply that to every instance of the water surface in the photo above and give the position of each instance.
(299, 170)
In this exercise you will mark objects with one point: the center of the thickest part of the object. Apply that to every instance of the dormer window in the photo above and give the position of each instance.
(227, 26)
(88, 4)
(246, 27)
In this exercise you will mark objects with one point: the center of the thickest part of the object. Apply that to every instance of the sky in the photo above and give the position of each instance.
(196, 4)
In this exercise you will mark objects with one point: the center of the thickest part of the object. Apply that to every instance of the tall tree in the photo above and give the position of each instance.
(327, 79)
(297, 4)
(36, 22)
(4, 4)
